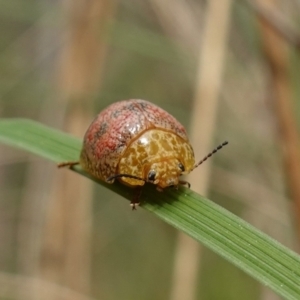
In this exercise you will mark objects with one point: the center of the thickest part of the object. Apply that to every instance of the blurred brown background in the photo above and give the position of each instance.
(227, 70)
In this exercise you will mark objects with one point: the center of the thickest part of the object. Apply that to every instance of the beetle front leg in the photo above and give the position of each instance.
(136, 200)
(183, 182)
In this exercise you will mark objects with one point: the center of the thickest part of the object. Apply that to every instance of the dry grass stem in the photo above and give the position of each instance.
(66, 255)
(207, 90)
(180, 20)
(276, 53)
(279, 24)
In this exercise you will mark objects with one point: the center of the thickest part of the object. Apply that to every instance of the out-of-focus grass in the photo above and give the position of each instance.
(164, 76)
(226, 234)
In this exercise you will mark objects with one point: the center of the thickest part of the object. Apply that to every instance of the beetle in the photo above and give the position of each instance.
(135, 142)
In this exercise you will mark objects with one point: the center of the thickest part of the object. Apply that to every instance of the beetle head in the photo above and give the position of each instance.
(164, 173)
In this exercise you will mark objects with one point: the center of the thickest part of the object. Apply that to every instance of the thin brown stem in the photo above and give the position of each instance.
(276, 54)
(279, 25)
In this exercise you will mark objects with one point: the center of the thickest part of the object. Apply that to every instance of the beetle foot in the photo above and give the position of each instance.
(134, 204)
(183, 182)
(136, 200)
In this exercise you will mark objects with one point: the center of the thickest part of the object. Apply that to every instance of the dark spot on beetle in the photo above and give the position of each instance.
(116, 113)
(120, 145)
(143, 105)
(124, 138)
(132, 107)
(102, 130)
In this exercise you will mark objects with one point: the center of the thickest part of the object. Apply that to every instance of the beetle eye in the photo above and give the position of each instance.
(151, 175)
(181, 167)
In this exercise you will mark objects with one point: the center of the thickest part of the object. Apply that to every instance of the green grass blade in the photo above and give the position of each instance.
(237, 241)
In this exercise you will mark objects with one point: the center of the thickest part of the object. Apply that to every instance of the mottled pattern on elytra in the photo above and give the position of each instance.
(157, 150)
(116, 127)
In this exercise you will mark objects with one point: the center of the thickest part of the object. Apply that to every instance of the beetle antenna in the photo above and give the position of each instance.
(209, 155)
(124, 175)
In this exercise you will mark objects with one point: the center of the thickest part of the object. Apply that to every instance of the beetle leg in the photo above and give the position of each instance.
(183, 182)
(68, 164)
(158, 188)
(136, 200)
(133, 204)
